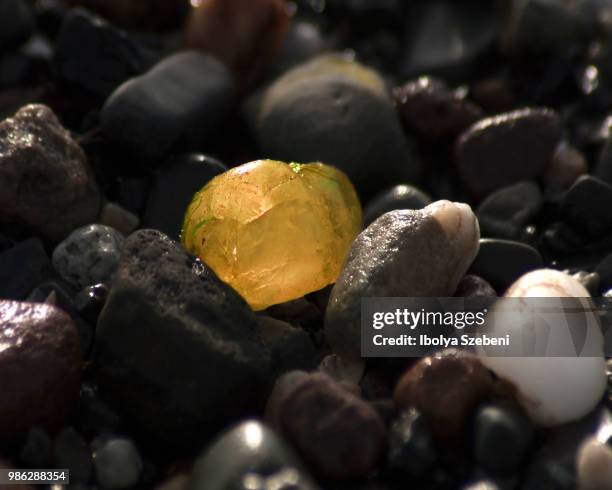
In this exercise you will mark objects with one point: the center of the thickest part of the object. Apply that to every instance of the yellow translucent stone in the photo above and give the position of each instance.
(274, 231)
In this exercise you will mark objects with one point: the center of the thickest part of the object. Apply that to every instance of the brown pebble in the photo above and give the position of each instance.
(446, 387)
(245, 34)
(567, 164)
(337, 433)
(40, 366)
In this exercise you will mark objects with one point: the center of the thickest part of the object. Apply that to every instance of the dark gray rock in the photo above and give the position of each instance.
(16, 23)
(174, 345)
(119, 218)
(412, 449)
(403, 253)
(448, 39)
(173, 188)
(182, 99)
(505, 213)
(340, 113)
(508, 148)
(90, 300)
(22, 267)
(93, 415)
(401, 196)
(117, 463)
(587, 205)
(45, 182)
(472, 286)
(433, 111)
(501, 439)
(89, 255)
(71, 451)
(93, 56)
(501, 262)
(250, 448)
(37, 448)
(290, 347)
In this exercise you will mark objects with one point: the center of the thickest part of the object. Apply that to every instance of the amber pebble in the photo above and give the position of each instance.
(274, 232)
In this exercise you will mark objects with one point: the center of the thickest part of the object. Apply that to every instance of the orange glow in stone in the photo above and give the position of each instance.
(274, 231)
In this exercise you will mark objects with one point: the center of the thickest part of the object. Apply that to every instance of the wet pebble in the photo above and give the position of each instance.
(183, 327)
(506, 212)
(567, 164)
(587, 205)
(89, 255)
(251, 451)
(174, 186)
(402, 196)
(412, 449)
(149, 115)
(337, 433)
(93, 415)
(501, 262)
(432, 110)
(90, 300)
(501, 439)
(403, 253)
(22, 268)
(117, 463)
(40, 366)
(508, 148)
(45, 182)
(446, 388)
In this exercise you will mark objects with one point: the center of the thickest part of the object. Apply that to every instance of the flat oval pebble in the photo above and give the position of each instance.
(403, 253)
(89, 255)
(507, 148)
(587, 205)
(40, 366)
(554, 390)
(336, 432)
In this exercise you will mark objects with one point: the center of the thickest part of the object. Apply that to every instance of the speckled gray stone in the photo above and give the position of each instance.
(403, 253)
(89, 255)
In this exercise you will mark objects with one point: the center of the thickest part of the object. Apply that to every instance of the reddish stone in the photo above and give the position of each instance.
(336, 432)
(245, 34)
(446, 388)
(40, 366)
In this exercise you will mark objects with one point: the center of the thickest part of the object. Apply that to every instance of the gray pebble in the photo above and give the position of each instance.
(117, 464)
(89, 255)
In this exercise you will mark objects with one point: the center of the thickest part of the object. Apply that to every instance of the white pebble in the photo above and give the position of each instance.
(553, 390)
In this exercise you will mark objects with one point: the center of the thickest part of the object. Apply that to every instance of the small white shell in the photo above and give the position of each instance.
(554, 390)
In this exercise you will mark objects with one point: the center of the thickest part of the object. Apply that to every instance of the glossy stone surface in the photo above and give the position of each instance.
(273, 231)
(554, 390)
(249, 448)
(403, 253)
(40, 366)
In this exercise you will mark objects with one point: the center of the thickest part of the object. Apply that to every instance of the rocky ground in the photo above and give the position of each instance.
(126, 360)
